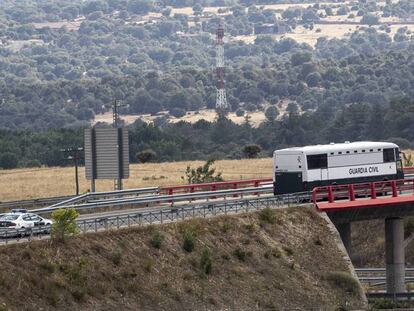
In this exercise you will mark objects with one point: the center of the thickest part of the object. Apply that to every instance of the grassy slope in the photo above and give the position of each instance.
(283, 265)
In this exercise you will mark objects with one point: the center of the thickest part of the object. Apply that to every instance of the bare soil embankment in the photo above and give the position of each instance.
(284, 260)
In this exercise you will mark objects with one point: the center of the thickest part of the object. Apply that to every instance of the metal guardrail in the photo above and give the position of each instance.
(214, 186)
(377, 270)
(62, 200)
(160, 199)
(33, 202)
(107, 194)
(162, 215)
(57, 201)
(376, 277)
(395, 296)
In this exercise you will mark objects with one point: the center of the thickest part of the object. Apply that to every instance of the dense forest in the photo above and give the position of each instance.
(222, 138)
(63, 62)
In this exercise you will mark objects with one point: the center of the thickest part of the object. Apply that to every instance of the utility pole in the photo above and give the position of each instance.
(116, 124)
(74, 154)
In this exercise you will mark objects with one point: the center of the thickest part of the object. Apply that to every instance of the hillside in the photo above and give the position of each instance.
(258, 261)
(63, 63)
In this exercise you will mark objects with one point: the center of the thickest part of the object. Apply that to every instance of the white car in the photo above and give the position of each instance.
(19, 220)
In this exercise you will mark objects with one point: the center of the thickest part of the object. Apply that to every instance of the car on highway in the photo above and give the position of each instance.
(21, 220)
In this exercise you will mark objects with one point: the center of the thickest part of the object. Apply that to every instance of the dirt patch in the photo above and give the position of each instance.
(240, 262)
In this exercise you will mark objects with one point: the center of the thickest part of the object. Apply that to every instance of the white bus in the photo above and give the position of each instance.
(303, 168)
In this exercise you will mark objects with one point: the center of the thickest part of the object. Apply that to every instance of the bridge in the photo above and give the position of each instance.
(389, 200)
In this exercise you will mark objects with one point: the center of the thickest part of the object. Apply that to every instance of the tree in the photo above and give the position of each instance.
(329, 11)
(202, 174)
(300, 58)
(198, 9)
(239, 112)
(139, 6)
(177, 112)
(370, 19)
(64, 224)
(251, 151)
(146, 155)
(8, 160)
(343, 10)
(271, 113)
(313, 79)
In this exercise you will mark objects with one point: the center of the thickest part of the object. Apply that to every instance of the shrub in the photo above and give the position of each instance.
(251, 227)
(202, 174)
(148, 265)
(189, 241)
(116, 257)
(274, 252)
(288, 250)
(177, 112)
(251, 151)
(206, 261)
(146, 155)
(79, 294)
(267, 215)
(240, 254)
(343, 280)
(64, 224)
(370, 19)
(157, 239)
(239, 112)
(408, 160)
(226, 227)
(47, 266)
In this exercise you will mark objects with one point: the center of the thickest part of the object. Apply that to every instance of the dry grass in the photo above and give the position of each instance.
(256, 118)
(21, 184)
(330, 31)
(254, 266)
(189, 10)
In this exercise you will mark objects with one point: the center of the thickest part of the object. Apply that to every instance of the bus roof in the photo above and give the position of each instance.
(316, 149)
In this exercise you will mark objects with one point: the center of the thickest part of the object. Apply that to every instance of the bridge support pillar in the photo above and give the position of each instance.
(394, 255)
(344, 230)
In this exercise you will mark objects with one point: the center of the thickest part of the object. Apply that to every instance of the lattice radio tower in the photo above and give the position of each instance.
(222, 106)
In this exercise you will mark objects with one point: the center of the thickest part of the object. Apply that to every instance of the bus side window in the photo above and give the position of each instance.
(317, 161)
(389, 155)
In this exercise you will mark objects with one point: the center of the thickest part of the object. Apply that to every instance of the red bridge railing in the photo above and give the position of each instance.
(408, 170)
(236, 184)
(358, 189)
(368, 190)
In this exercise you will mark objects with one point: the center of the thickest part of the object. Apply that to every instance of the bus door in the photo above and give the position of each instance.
(320, 162)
